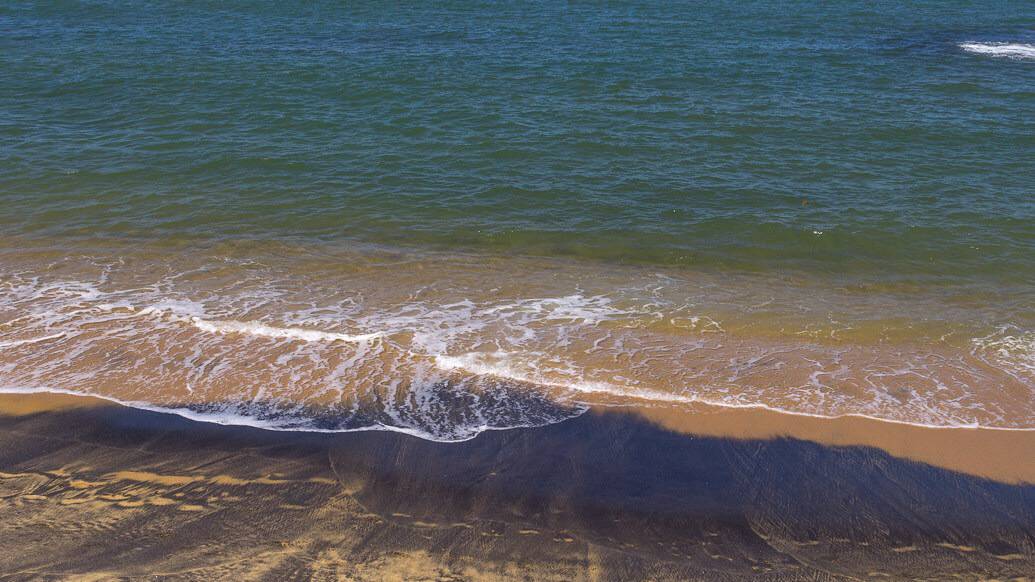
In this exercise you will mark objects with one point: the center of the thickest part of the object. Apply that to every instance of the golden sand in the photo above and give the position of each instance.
(1002, 455)
(21, 405)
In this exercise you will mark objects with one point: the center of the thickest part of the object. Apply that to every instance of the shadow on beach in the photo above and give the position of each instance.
(93, 488)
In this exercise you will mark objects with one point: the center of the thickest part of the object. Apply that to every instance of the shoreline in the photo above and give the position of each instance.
(607, 495)
(986, 452)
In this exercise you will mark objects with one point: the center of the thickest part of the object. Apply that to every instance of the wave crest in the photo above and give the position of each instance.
(1011, 50)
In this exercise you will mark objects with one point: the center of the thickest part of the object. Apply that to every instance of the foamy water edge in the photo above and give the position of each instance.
(252, 422)
(556, 383)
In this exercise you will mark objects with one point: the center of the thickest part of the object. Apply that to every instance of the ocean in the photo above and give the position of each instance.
(447, 217)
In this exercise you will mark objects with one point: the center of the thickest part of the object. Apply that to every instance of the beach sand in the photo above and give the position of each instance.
(92, 490)
(1004, 455)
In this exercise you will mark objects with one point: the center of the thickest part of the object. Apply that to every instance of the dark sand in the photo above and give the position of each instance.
(103, 491)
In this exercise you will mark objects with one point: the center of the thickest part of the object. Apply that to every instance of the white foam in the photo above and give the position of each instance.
(505, 369)
(13, 343)
(291, 425)
(263, 330)
(476, 364)
(193, 313)
(177, 308)
(1010, 349)
(1012, 50)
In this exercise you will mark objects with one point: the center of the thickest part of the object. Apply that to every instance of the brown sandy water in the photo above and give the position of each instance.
(303, 337)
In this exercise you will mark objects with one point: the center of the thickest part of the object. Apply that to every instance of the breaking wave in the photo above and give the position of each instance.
(1011, 50)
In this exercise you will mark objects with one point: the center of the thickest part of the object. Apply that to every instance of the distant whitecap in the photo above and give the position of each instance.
(1012, 50)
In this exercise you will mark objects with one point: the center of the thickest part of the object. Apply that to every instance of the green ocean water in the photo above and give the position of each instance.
(849, 183)
(692, 134)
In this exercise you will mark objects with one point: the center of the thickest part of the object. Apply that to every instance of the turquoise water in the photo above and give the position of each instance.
(848, 183)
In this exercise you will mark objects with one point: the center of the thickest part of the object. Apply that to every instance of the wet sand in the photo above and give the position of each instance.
(93, 490)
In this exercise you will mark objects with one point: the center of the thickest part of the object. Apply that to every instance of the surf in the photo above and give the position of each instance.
(1011, 50)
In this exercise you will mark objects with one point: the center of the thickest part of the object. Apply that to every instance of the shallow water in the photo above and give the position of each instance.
(447, 345)
(447, 217)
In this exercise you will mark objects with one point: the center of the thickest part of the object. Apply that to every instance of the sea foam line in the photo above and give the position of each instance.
(34, 340)
(469, 364)
(1013, 50)
(230, 419)
(263, 330)
(254, 328)
(506, 372)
